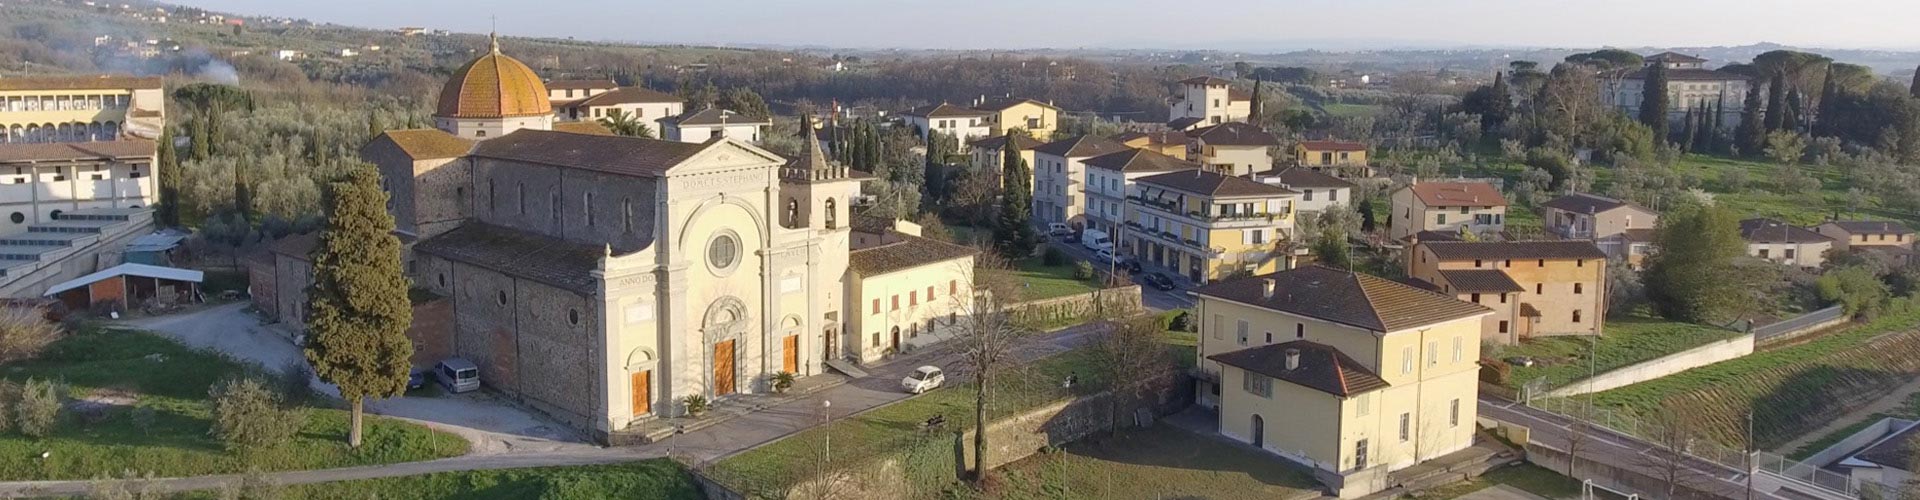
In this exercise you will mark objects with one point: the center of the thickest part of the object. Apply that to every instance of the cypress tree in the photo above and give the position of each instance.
(1653, 101)
(1751, 135)
(1689, 134)
(374, 128)
(243, 192)
(169, 173)
(1502, 103)
(1013, 232)
(1776, 103)
(1915, 90)
(1256, 113)
(1796, 111)
(358, 311)
(197, 134)
(1829, 93)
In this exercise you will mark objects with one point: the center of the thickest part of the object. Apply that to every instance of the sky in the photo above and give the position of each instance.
(1174, 24)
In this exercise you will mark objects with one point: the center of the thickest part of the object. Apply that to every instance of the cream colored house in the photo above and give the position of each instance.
(1449, 207)
(1889, 238)
(1233, 148)
(1110, 178)
(563, 92)
(988, 152)
(640, 104)
(1604, 220)
(1340, 158)
(704, 125)
(1691, 87)
(1785, 243)
(1039, 119)
(1349, 374)
(1205, 101)
(910, 290)
(1208, 227)
(1059, 188)
(1319, 192)
(961, 123)
(1168, 143)
(1561, 284)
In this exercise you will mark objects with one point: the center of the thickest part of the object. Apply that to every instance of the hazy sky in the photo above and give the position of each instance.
(1227, 24)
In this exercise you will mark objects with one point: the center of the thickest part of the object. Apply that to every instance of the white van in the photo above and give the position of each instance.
(457, 375)
(1096, 240)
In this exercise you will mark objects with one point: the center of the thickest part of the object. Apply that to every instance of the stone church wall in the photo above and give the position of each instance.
(531, 347)
(623, 207)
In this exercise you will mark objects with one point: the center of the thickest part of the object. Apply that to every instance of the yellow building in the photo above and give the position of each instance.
(1167, 143)
(81, 108)
(987, 152)
(1352, 375)
(1339, 158)
(1232, 148)
(1888, 238)
(1447, 207)
(910, 291)
(1039, 119)
(1561, 284)
(1207, 226)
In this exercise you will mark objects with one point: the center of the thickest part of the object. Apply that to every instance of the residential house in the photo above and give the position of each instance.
(1452, 207)
(1039, 119)
(1691, 88)
(1319, 192)
(962, 123)
(986, 153)
(1168, 143)
(1205, 101)
(1110, 178)
(1232, 148)
(1889, 238)
(910, 290)
(1604, 220)
(1348, 374)
(1562, 284)
(639, 104)
(1207, 226)
(562, 92)
(1784, 243)
(1340, 158)
(1059, 190)
(701, 126)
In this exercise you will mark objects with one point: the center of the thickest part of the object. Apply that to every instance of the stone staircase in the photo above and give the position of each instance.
(66, 247)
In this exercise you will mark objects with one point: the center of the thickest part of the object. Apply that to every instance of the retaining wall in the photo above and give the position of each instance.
(1711, 353)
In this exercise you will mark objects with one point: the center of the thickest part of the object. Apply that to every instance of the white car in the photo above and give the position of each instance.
(923, 379)
(1106, 256)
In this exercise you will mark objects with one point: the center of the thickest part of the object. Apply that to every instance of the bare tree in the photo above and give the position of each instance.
(987, 333)
(1132, 355)
(1578, 433)
(823, 477)
(1671, 434)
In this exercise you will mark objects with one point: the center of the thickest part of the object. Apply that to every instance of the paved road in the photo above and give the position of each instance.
(700, 446)
(1154, 299)
(1618, 450)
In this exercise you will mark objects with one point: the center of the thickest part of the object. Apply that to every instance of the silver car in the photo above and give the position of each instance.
(457, 375)
(923, 379)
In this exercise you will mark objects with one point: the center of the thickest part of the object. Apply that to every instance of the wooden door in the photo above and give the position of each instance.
(642, 392)
(827, 352)
(790, 352)
(723, 368)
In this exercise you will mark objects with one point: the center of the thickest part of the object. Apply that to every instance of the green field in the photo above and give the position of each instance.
(1040, 281)
(1627, 340)
(119, 370)
(657, 479)
(1157, 462)
(1342, 110)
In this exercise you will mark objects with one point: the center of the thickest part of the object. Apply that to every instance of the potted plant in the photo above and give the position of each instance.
(695, 404)
(782, 381)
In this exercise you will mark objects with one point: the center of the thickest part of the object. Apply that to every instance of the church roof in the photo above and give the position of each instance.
(911, 251)
(76, 151)
(611, 154)
(494, 86)
(582, 127)
(535, 257)
(425, 144)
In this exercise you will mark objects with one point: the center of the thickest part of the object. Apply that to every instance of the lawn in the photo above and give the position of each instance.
(1041, 281)
(657, 479)
(897, 429)
(1627, 340)
(121, 370)
(1158, 462)
(1526, 477)
(1342, 110)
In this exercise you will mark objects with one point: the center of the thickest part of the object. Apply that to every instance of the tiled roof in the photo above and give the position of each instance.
(540, 258)
(1674, 57)
(1687, 74)
(1234, 134)
(81, 82)
(602, 153)
(1139, 161)
(1480, 280)
(298, 246)
(494, 86)
(425, 144)
(1153, 138)
(1642, 235)
(1458, 194)
(1332, 146)
(1431, 235)
(581, 84)
(911, 251)
(1302, 177)
(1002, 103)
(715, 116)
(626, 95)
(1354, 299)
(1183, 123)
(1871, 226)
(1584, 203)
(944, 110)
(72, 151)
(1207, 80)
(582, 127)
(1023, 141)
(1764, 230)
(1237, 95)
(1321, 367)
(1213, 184)
(1080, 147)
(1498, 250)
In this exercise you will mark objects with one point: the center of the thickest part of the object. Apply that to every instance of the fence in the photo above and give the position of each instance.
(1799, 325)
(1831, 481)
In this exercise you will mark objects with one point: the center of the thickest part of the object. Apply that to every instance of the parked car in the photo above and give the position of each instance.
(923, 379)
(1058, 229)
(1095, 239)
(1159, 281)
(1105, 257)
(418, 378)
(457, 375)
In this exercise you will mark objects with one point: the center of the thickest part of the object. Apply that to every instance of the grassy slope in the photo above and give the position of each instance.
(1158, 462)
(1628, 340)
(175, 385)
(659, 479)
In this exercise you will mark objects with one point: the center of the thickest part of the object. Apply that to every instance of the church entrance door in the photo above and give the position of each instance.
(642, 392)
(790, 354)
(827, 353)
(723, 368)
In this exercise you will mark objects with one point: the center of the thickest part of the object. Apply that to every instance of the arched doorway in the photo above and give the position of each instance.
(726, 323)
(895, 344)
(1259, 432)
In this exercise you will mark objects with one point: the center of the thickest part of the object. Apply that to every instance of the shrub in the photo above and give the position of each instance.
(1496, 372)
(294, 380)
(783, 381)
(1177, 320)
(1055, 257)
(143, 418)
(1083, 270)
(248, 416)
(24, 332)
(695, 404)
(9, 399)
(39, 407)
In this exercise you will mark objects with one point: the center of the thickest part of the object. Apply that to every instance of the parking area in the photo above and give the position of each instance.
(1154, 298)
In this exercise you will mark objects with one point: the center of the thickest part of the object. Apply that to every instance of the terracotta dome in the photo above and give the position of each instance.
(494, 86)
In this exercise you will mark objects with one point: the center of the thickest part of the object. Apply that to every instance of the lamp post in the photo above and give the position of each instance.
(826, 419)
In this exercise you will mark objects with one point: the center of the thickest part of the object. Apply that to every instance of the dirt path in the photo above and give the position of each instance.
(1885, 404)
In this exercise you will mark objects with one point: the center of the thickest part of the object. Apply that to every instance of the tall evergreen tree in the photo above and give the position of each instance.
(1257, 111)
(1915, 90)
(1653, 102)
(374, 127)
(1690, 133)
(1776, 102)
(1829, 94)
(1796, 111)
(243, 192)
(1013, 232)
(1501, 105)
(197, 137)
(358, 311)
(169, 166)
(1751, 135)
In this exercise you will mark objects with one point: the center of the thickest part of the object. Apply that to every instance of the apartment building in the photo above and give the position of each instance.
(1039, 119)
(1207, 100)
(1448, 207)
(1319, 192)
(1562, 284)
(640, 104)
(1340, 158)
(1233, 148)
(1207, 226)
(962, 123)
(1059, 189)
(1110, 177)
(1606, 221)
(1889, 238)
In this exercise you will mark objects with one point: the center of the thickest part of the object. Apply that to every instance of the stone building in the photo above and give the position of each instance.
(1691, 87)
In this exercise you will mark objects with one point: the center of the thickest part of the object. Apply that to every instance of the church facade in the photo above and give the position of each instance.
(602, 279)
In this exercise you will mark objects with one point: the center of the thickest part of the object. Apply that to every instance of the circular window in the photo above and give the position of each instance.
(55, 215)
(723, 252)
(503, 297)
(18, 217)
(573, 317)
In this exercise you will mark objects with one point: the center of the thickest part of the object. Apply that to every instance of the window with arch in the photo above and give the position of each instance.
(492, 201)
(554, 207)
(520, 192)
(587, 203)
(626, 213)
(793, 212)
(573, 317)
(831, 219)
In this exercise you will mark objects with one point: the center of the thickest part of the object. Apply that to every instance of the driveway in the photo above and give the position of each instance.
(491, 425)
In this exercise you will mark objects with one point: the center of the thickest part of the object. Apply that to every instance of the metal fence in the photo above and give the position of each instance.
(1807, 473)
(1797, 323)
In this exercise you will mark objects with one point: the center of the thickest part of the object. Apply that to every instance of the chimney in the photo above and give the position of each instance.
(1293, 359)
(1266, 288)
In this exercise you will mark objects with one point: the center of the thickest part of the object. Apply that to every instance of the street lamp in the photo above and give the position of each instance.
(826, 419)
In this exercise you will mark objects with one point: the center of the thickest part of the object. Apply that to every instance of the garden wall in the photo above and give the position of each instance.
(1013, 438)
(1075, 307)
(1711, 353)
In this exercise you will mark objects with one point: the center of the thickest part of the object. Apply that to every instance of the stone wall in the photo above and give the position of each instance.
(432, 331)
(1711, 353)
(1075, 306)
(1019, 436)
(523, 335)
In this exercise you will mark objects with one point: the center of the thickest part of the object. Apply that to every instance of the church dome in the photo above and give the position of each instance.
(493, 86)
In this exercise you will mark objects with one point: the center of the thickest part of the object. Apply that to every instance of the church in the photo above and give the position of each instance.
(602, 279)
